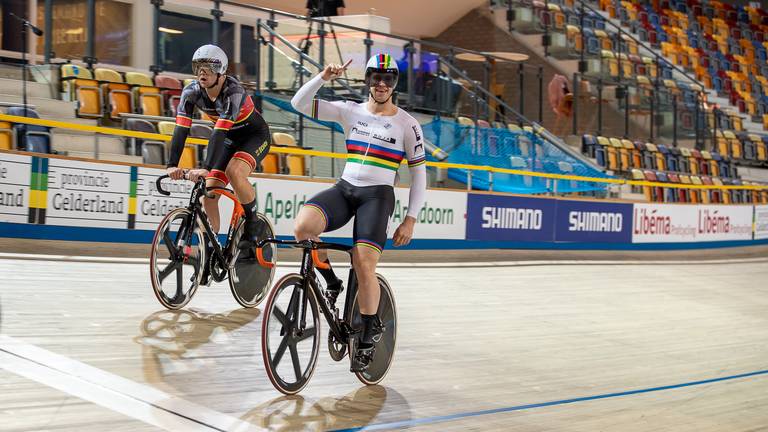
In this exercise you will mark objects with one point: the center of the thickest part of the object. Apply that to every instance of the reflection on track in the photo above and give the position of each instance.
(294, 413)
(183, 348)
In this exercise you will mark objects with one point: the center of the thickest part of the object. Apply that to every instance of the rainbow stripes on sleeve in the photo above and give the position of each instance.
(418, 161)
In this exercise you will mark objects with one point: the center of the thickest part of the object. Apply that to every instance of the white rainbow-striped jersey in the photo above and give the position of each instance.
(376, 144)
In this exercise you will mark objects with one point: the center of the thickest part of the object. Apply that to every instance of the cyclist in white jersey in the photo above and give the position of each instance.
(379, 135)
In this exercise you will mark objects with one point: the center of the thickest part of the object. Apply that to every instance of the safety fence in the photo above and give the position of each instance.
(472, 171)
(58, 198)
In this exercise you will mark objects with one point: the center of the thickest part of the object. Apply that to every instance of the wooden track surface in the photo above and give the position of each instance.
(86, 347)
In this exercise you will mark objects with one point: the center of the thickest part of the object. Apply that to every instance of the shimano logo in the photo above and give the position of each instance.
(512, 218)
(595, 221)
(385, 139)
(361, 132)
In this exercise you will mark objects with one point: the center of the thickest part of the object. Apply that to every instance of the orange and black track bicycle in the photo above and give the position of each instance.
(290, 331)
(178, 259)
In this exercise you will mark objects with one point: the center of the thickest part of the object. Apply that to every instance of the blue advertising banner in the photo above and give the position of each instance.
(593, 222)
(510, 218)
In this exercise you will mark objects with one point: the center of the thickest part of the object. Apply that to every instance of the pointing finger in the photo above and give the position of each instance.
(347, 64)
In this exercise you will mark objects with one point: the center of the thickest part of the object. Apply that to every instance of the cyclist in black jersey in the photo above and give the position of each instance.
(239, 141)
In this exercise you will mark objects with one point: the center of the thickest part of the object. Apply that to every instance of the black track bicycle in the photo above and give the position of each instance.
(178, 257)
(290, 332)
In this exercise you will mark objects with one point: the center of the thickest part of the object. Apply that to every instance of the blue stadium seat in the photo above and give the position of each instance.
(31, 138)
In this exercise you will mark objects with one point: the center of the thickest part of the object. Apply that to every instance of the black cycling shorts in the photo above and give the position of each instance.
(249, 143)
(371, 206)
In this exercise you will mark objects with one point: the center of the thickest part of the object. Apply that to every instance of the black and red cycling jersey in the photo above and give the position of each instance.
(233, 111)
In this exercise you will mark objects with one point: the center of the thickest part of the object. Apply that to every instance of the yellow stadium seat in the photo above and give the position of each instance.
(118, 94)
(77, 84)
(285, 139)
(145, 95)
(6, 136)
(296, 164)
(270, 164)
(465, 121)
(189, 155)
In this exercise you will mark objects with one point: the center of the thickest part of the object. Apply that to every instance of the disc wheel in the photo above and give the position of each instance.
(248, 280)
(290, 355)
(385, 347)
(175, 267)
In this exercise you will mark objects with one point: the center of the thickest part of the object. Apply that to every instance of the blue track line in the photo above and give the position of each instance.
(444, 418)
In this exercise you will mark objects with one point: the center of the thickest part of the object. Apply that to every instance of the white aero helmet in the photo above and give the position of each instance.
(381, 63)
(212, 57)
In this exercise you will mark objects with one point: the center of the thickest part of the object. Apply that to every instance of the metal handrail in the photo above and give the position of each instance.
(306, 58)
(364, 30)
(537, 128)
(300, 151)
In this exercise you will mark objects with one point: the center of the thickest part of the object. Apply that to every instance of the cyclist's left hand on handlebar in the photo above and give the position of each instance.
(404, 232)
(195, 174)
(175, 173)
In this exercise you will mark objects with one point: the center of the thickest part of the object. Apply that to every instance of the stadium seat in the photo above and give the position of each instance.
(202, 132)
(77, 84)
(151, 151)
(588, 145)
(684, 160)
(189, 154)
(117, 94)
(295, 164)
(6, 136)
(145, 95)
(601, 152)
(30, 138)
(170, 89)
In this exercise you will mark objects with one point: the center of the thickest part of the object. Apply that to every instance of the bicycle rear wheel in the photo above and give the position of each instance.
(280, 335)
(385, 347)
(248, 280)
(176, 267)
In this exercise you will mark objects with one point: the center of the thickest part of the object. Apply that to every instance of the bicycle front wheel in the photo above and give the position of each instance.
(175, 266)
(248, 280)
(290, 353)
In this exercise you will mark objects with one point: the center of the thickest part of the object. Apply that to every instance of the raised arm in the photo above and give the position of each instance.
(304, 100)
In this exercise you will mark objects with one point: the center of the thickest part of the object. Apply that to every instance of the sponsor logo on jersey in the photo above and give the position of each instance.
(364, 133)
(362, 123)
(385, 139)
(418, 146)
(388, 125)
(416, 132)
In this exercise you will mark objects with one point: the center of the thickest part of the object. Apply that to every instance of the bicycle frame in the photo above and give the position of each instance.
(341, 328)
(195, 208)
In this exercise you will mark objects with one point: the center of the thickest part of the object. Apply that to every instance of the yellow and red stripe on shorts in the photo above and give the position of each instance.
(247, 158)
(218, 175)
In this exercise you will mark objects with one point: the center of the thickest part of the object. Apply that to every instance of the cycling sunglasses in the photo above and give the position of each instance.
(208, 67)
(389, 79)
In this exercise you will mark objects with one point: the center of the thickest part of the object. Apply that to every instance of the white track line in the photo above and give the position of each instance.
(138, 401)
(290, 264)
